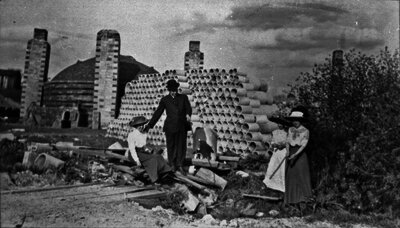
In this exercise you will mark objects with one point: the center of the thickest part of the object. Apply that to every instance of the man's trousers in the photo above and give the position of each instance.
(176, 147)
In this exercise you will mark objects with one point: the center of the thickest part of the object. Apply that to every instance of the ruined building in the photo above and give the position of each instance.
(36, 69)
(10, 94)
(194, 59)
(94, 85)
(10, 84)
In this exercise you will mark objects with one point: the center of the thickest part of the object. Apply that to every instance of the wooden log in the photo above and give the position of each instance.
(262, 197)
(211, 176)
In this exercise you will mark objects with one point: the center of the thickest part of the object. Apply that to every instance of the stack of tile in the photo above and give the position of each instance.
(223, 100)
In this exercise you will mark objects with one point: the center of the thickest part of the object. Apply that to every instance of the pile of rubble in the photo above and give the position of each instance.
(210, 188)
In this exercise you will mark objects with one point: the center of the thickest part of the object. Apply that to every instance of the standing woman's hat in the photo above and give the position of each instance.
(296, 116)
(172, 84)
(138, 121)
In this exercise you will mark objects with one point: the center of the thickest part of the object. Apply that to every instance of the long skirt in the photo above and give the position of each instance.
(154, 164)
(275, 176)
(298, 182)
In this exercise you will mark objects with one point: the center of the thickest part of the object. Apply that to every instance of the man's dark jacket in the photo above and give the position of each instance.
(176, 109)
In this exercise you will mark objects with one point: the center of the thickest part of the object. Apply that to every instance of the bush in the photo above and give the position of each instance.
(355, 125)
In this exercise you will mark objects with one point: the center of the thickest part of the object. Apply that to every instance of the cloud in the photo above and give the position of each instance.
(198, 23)
(65, 34)
(285, 59)
(274, 16)
(322, 37)
(286, 26)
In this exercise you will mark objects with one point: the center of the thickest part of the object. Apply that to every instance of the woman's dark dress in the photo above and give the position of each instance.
(298, 182)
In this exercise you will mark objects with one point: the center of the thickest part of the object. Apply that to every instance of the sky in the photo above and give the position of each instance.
(269, 40)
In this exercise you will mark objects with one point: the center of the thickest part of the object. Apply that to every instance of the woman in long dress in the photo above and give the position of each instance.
(298, 182)
(154, 164)
(275, 176)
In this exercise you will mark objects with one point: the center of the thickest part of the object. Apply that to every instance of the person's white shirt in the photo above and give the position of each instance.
(136, 139)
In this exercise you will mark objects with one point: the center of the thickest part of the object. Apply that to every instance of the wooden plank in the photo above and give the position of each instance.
(228, 158)
(200, 180)
(124, 192)
(211, 176)
(49, 188)
(262, 197)
(97, 192)
(186, 180)
(210, 164)
(205, 163)
(146, 194)
(118, 156)
(123, 168)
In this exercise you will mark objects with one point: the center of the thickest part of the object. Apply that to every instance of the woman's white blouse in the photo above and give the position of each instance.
(298, 136)
(136, 139)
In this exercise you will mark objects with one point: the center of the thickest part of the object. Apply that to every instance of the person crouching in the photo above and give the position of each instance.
(154, 164)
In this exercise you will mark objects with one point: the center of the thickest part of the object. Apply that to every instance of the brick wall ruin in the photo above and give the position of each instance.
(106, 77)
(36, 69)
(194, 59)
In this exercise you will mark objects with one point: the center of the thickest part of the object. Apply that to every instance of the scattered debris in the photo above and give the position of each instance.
(190, 202)
(273, 212)
(208, 220)
(260, 214)
(9, 136)
(242, 174)
(223, 223)
(212, 189)
(45, 161)
(249, 210)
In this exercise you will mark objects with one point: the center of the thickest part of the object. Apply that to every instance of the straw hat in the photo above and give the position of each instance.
(138, 121)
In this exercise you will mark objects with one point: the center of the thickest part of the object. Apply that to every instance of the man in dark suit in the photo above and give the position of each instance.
(178, 112)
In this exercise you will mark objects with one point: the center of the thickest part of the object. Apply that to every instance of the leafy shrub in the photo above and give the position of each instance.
(354, 123)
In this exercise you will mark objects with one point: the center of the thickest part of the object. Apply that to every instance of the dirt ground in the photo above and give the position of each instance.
(90, 207)
(93, 206)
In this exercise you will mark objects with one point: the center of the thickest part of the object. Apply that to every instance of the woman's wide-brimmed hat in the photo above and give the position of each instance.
(279, 120)
(296, 116)
(138, 121)
(172, 84)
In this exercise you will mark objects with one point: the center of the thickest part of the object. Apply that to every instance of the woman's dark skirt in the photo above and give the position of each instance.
(297, 181)
(154, 164)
